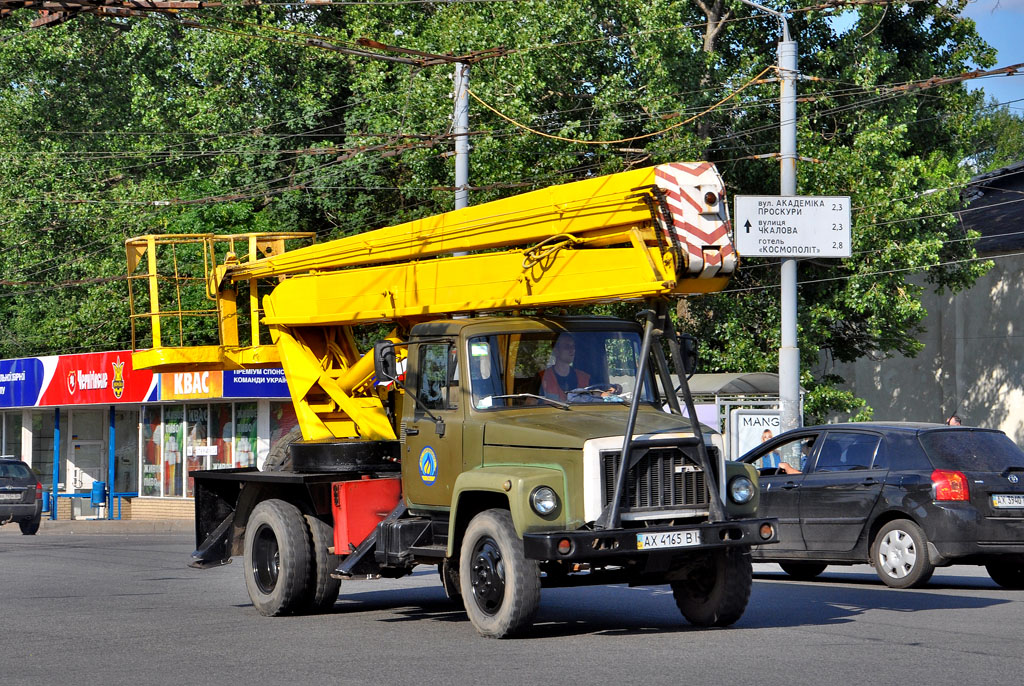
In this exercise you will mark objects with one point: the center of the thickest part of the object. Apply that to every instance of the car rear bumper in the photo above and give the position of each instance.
(957, 531)
(18, 512)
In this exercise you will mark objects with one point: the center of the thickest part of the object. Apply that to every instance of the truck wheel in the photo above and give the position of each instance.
(325, 588)
(1007, 573)
(449, 572)
(715, 591)
(900, 555)
(278, 559)
(804, 571)
(500, 587)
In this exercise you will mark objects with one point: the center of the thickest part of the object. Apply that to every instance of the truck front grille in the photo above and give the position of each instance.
(663, 478)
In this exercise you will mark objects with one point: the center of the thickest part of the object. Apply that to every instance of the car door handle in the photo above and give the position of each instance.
(790, 485)
(412, 431)
(870, 481)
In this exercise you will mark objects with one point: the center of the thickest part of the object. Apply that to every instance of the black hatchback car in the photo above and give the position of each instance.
(905, 498)
(21, 496)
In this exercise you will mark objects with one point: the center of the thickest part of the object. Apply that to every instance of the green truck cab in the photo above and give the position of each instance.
(508, 475)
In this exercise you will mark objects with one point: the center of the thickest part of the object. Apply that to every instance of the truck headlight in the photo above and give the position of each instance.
(741, 490)
(544, 500)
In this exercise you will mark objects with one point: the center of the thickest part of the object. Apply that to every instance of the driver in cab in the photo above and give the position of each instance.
(562, 381)
(561, 377)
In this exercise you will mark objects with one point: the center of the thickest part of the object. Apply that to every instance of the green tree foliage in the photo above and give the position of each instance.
(1001, 141)
(235, 120)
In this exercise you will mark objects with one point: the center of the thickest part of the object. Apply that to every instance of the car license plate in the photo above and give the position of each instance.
(1007, 500)
(668, 539)
(10, 496)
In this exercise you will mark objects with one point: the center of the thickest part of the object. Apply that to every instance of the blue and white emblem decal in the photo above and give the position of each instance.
(428, 465)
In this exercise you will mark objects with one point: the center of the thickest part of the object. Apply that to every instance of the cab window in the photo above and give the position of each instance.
(438, 377)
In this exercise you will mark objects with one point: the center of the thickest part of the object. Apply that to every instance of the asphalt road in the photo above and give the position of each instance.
(125, 609)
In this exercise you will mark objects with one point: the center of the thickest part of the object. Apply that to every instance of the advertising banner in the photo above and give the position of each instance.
(255, 383)
(22, 380)
(191, 385)
(97, 378)
(108, 378)
(750, 428)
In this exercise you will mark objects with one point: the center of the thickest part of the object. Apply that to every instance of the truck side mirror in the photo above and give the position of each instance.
(688, 348)
(385, 366)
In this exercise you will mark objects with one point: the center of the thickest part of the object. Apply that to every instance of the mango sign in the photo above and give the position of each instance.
(191, 385)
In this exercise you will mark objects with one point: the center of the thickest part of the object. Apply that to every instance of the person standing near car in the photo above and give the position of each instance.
(954, 420)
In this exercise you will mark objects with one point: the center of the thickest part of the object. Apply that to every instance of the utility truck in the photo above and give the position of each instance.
(487, 434)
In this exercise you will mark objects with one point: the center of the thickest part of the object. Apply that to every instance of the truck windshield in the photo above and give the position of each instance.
(579, 367)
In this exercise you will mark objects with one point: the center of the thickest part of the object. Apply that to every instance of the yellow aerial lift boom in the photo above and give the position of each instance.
(653, 232)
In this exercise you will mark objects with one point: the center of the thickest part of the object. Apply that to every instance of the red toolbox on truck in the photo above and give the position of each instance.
(359, 506)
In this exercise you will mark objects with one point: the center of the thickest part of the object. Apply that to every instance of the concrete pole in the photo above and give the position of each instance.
(789, 350)
(461, 130)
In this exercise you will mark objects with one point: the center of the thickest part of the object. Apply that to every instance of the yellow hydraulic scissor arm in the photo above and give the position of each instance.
(658, 231)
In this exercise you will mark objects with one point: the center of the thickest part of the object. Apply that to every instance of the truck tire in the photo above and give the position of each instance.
(716, 590)
(278, 559)
(324, 587)
(500, 587)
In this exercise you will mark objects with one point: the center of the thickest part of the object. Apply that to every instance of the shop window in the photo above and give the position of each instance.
(12, 434)
(245, 435)
(221, 436)
(42, 445)
(126, 448)
(197, 445)
(152, 438)
(174, 441)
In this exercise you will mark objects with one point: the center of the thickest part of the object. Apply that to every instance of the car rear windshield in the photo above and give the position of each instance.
(978, 451)
(14, 470)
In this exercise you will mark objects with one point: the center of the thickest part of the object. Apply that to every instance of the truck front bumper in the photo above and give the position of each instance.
(586, 545)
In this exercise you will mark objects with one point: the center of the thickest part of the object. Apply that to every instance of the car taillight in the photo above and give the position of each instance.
(949, 485)
(39, 491)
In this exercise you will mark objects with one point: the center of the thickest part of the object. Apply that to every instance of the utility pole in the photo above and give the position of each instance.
(789, 350)
(461, 131)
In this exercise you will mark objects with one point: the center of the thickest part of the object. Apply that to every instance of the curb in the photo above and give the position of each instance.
(116, 526)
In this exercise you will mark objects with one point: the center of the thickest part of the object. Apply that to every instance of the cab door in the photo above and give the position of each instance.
(431, 429)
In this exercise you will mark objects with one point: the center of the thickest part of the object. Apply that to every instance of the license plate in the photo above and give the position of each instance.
(1007, 500)
(10, 496)
(668, 539)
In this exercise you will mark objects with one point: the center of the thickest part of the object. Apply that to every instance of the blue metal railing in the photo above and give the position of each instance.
(119, 496)
(49, 504)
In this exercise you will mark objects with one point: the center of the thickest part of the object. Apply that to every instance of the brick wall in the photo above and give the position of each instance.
(159, 508)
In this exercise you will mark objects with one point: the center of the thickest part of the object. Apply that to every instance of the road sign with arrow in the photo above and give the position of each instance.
(792, 226)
